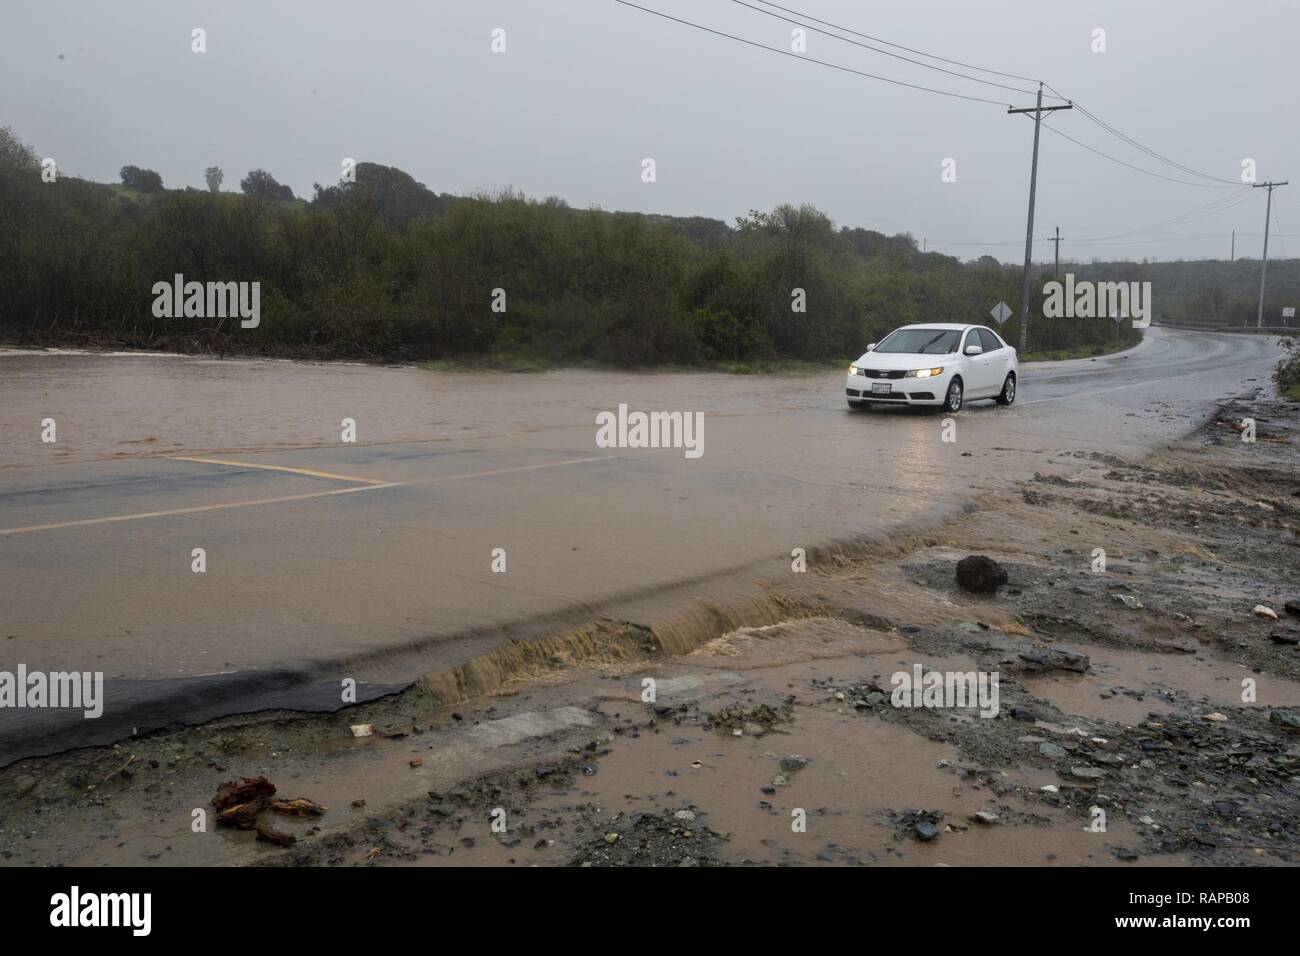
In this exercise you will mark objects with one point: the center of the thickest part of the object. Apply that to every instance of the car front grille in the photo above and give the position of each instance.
(882, 373)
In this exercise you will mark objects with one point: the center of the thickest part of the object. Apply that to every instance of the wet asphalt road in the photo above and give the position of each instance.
(373, 559)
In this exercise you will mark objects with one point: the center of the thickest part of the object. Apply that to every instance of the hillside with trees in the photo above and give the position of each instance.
(385, 268)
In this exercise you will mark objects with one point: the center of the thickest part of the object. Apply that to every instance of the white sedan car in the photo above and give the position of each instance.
(938, 364)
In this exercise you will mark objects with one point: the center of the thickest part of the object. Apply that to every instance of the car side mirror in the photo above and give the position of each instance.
(974, 350)
(871, 346)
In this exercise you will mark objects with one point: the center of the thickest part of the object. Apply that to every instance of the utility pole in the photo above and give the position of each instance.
(1263, 266)
(1056, 270)
(1232, 256)
(1038, 111)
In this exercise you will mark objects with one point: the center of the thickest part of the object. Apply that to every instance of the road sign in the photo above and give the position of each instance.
(1288, 311)
(1000, 312)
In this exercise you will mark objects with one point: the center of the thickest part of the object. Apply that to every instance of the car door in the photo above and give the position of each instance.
(998, 357)
(977, 368)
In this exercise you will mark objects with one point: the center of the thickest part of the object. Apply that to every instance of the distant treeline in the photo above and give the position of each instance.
(385, 268)
(1217, 290)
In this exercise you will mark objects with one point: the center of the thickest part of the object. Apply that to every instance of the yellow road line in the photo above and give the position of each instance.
(508, 471)
(293, 471)
(195, 509)
(302, 497)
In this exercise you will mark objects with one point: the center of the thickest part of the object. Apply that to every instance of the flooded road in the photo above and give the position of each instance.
(374, 559)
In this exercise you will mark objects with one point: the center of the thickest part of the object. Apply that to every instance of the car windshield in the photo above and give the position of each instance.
(921, 341)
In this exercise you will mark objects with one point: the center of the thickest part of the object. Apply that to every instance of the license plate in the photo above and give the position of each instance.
(881, 388)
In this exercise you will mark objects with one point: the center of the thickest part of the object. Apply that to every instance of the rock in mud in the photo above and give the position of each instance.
(268, 834)
(980, 574)
(1286, 719)
(1085, 773)
(1055, 657)
(926, 831)
(1292, 607)
(1262, 610)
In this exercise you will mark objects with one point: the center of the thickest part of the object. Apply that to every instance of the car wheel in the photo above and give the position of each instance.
(1008, 394)
(952, 401)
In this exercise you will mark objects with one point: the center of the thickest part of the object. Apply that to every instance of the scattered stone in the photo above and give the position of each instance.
(686, 815)
(987, 817)
(417, 762)
(1085, 773)
(793, 763)
(1027, 714)
(362, 730)
(1216, 716)
(1053, 751)
(1130, 601)
(1292, 607)
(1261, 610)
(926, 831)
(268, 834)
(980, 574)
(1277, 637)
(611, 838)
(1286, 719)
(24, 785)
(1055, 657)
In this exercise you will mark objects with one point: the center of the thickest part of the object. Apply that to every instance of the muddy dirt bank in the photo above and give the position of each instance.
(1146, 711)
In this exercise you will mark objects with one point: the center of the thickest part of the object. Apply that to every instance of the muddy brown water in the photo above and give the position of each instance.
(311, 569)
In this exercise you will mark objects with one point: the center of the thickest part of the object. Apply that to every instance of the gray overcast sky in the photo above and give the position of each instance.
(587, 88)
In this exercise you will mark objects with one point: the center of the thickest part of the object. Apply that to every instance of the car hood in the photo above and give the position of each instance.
(892, 361)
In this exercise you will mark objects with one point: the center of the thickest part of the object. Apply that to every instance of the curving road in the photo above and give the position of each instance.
(373, 559)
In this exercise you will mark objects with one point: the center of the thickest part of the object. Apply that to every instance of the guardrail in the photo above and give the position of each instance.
(1208, 325)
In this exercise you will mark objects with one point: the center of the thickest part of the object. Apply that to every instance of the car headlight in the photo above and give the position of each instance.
(854, 370)
(925, 373)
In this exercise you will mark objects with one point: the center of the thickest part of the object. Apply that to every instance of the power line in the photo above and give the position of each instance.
(898, 46)
(1182, 219)
(1145, 149)
(1211, 181)
(1200, 212)
(1146, 172)
(866, 46)
(1110, 242)
(808, 59)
